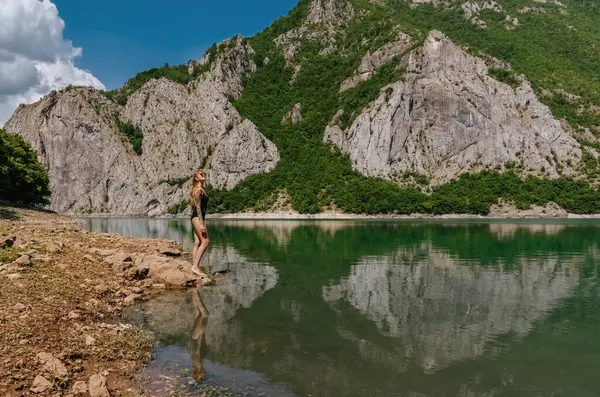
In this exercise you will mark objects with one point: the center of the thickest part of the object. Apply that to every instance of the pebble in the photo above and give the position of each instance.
(79, 387)
(97, 386)
(40, 384)
(23, 260)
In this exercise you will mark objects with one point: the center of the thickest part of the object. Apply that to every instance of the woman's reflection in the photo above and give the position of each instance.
(197, 335)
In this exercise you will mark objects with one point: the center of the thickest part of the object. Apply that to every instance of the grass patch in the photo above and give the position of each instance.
(135, 340)
(8, 255)
(133, 134)
(504, 76)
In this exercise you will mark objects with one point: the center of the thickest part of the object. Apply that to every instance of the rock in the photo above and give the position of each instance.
(159, 286)
(62, 266)
(136, 290)
(40, 385)
(241, 152)
(23, 260)
(330, 12)
(504, 210)
(19, 307)
(130, 300)
(137, 273)
(121, 267)
(90, 341)
(14, 276)
(174, 273)
(97, 386)
(52, 365)
(8, 242)
(173, 252)
(102, 288)
(118, 258)
(102, 252)
(450, 117)
(294, 116)
(53, 247)
(79, 387)
(380, 57)
(73, 315)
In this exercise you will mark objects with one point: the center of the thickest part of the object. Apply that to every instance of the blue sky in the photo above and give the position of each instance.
(123, 37)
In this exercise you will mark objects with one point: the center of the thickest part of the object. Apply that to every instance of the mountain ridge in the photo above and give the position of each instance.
(302, 95)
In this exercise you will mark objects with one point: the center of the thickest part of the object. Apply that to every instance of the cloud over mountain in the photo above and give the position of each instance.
(35, 58)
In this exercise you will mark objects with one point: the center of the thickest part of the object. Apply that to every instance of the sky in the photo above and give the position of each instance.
(49, 44)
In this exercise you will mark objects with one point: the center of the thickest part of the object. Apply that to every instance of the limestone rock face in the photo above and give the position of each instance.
(380, 57)
(92, 166)
(294, 116)
(450, 117)
(331, 12)
(324, 21)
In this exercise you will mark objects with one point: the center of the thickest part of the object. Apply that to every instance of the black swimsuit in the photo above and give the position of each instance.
(203, 206)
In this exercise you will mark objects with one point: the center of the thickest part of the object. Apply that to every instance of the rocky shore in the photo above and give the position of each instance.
(62, 291)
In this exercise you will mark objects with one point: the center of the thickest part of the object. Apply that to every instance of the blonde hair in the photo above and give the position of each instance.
(197, 187)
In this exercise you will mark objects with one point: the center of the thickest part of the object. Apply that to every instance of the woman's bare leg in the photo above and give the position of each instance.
(203, 245)
(195, 248)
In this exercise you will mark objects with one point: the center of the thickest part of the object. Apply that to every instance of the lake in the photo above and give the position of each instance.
(383, 308)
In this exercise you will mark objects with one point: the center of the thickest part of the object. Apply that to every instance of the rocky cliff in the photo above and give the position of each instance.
(449, 117)
(92, 166)
(416, 92)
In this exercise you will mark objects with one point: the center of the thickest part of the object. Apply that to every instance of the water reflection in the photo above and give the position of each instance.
(441, 310)
(394, 309)
(173, 229)
(197, 339)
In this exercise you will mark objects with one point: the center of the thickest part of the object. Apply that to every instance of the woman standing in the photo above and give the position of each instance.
(199, 201)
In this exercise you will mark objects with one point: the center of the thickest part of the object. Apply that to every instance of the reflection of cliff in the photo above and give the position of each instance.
(171, 229)
(442, 311)
(172, 316)
(282, 230)
(508, 230)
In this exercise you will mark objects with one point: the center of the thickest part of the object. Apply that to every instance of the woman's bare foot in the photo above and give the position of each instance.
(198, 273)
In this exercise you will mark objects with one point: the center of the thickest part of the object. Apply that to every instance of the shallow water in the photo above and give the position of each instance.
(378, 308)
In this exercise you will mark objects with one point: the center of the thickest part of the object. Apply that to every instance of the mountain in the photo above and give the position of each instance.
(359, 106)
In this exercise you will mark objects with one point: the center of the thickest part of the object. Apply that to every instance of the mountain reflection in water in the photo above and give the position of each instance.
(396, 308)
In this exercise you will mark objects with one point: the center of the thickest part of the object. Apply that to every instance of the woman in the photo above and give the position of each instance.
(199, 201)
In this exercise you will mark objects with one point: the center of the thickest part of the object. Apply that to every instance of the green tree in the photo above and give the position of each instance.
(22, 178)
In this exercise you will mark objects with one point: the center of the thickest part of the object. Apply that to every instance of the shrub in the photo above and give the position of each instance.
(22, 177)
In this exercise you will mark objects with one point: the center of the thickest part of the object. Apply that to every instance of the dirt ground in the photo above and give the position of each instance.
(60, 308)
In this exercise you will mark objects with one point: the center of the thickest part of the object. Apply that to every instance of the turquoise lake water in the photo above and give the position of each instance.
(385, 308)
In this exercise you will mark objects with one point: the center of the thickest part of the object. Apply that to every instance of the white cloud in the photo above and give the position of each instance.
(34, 56)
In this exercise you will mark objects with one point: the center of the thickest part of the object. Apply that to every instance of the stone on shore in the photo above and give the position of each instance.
(8, 242)
(119, 257)
(40, 384)
(97, 386)
(52, 365)
(174, 252)
(23, 260)
(79, 387)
